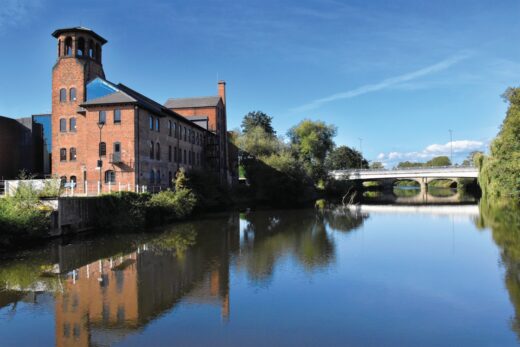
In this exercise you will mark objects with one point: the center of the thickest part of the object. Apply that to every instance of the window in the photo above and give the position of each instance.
(170, 153)
(151, 122)
(72, 94)
(110, 176)
(157, 124)
(102, 149)
(73, 181)
(63, 95)
(117, 147)
(152, 177)
(63, 125)
(72, 154)
(158, 177)
(102, 117)
(175, 154)
(63, 154)
(169, 128)
(176, 130)
(68, 46)
(91, 49)
(185, 134)
(72, 124)
(98, 52)
(151, 150)
(170, 179)
(184, 156)
(158, 152)
(117, 116)
(63, 181)
(81, 47)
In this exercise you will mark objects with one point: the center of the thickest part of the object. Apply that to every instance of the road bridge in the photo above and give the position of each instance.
(422, 175)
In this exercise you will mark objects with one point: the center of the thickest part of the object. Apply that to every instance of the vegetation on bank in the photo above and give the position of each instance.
(499, 175)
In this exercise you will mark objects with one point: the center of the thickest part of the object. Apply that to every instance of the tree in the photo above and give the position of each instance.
(344, 157)
(408, 164)
(439, 161)
(311, 142)
(377, 165)
(472, 158)
(257, 142)
(256, 119)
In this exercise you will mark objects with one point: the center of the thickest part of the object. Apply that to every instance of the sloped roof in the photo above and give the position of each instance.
(206, 101)
(58, 32)
(118, 97)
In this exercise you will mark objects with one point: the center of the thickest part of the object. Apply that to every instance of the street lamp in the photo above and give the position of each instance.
(100, 124)
(451, 146)
(360, 152)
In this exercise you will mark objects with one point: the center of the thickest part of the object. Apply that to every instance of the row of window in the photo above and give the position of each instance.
(177, 131)
(175, 154)
(63, 125)
(72, 94)
(93, 51)
(116, 116)
(72, 154)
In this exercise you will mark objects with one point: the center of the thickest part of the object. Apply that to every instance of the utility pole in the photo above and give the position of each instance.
(360, 152)
(451, 146)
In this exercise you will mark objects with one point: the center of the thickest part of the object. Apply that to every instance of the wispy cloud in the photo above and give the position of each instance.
(13, 12)
(461, 149)
(385, 84)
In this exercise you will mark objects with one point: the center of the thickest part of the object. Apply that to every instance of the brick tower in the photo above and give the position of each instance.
(79, 61)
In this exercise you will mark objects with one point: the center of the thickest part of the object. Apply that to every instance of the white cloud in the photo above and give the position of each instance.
(385, 84)
(13, 12)
(461, 149)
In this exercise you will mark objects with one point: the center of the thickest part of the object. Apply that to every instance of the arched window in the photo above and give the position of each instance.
(98, 52)
(72, 93)
(158, 177)
(158, 152)
(73, 181)
(102, 149)
(151, 122)
(81, 47)
(91, 49)
(110, 176)
(157, 124)
(117, 116)
(72, 124)
(176, 130)
(63, 125)
(72, 154)
(175, 154)
(169, 128)
(63, 95)
(102, 117)
(63, 154)
(152, 152)
(63, 181)
(68, 46)
(152, 177)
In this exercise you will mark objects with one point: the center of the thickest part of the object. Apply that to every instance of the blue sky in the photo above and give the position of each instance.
(398, 74)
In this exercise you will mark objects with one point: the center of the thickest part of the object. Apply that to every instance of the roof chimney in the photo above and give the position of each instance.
(222, 91)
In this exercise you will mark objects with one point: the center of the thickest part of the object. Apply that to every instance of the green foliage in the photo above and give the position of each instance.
(377, 165)
(257, 142)
(344, 157)
(312, 141)
(51, 189)
(167, 205)
(408, 164)
(124, 211)
(439, 161)
(258, 119)
(211, 195)
(181, 181)
(500, 172)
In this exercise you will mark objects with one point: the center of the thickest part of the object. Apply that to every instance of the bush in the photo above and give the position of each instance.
(168, 205)
(124, 211)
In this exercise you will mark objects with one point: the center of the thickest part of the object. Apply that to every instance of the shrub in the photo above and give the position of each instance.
(168, 205)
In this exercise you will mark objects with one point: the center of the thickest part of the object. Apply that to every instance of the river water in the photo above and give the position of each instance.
(374, 275)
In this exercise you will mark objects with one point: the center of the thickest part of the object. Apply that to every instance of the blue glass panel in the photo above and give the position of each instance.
(98, 88)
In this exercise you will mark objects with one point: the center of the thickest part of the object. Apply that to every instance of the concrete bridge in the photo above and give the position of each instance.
(422, 175)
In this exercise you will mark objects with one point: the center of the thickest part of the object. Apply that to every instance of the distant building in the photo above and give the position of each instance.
(24, 146)
(108, 132)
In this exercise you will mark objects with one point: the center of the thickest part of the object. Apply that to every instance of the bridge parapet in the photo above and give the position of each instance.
(423, 172)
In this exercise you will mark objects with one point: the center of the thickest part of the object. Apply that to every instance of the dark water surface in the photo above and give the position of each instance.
(376, 275)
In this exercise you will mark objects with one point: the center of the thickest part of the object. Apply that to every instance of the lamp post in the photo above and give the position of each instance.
(360, 152)
(451, 146)
(101, 124)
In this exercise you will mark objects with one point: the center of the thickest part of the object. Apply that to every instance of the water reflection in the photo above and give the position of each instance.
(109, 287)
(416, 196)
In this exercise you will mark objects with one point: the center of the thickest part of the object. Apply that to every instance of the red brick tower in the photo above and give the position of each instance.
(79, 61)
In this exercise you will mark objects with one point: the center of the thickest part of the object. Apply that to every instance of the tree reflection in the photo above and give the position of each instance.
(504, 221)
(301, 234)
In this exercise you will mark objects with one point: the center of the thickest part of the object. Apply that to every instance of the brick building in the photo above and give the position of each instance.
(108, 132)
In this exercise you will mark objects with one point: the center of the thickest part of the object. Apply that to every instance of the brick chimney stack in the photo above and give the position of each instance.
(222, 91)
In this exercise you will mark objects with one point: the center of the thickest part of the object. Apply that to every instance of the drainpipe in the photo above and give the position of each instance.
(137, 149)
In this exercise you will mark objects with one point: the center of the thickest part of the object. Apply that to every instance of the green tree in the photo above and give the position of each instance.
(257, 142)
(377, 165)
(472, 157)
(344, 157)
(256, 119)
(439, 161)
(500, 172)
(312, 141)
(408, 164)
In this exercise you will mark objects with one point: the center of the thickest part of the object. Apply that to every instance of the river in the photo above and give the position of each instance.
(372, 275)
